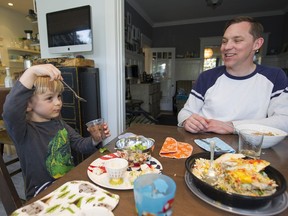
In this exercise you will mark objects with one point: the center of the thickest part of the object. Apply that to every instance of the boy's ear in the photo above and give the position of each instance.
(29, 107)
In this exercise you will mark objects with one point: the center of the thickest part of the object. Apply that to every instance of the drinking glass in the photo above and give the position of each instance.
(154, 194)
(96, 127)
(250, 143)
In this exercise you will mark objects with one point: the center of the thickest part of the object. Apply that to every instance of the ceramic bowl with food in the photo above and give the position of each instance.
(272, 136)
(236, 199)
(137, 149)
(116, 169)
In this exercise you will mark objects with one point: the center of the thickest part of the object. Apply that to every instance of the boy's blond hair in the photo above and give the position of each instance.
(43, 84)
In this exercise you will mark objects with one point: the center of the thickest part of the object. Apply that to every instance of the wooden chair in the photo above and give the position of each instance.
(4, 137)
(9, 196)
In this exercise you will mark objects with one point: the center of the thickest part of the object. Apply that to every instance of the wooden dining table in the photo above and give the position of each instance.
(186, 203)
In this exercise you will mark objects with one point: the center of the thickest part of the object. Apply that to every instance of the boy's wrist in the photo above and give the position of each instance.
(94, 142)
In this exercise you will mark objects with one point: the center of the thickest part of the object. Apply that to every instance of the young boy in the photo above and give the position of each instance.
(43, 140)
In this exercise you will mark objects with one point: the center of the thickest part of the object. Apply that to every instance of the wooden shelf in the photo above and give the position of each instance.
(16, 61)
(23, 51)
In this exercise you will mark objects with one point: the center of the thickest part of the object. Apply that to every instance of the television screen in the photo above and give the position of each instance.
(69, 30)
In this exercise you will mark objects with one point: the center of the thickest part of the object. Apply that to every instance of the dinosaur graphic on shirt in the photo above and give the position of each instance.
(59, 160)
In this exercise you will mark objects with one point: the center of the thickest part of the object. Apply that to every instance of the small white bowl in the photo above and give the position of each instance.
(116, 168)
(268, 141)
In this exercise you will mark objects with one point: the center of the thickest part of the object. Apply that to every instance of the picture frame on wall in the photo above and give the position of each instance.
(129, 18)
(133, 32)
(129, 34)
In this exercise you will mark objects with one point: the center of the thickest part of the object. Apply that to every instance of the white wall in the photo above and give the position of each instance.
(108, 52)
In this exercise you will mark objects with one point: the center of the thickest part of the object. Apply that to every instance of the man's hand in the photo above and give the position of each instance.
(196, 123)
(220, 127)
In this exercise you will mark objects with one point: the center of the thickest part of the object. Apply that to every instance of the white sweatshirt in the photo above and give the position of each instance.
(261, 97)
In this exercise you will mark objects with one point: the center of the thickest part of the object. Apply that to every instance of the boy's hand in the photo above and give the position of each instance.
(31, 74)
(99, 132)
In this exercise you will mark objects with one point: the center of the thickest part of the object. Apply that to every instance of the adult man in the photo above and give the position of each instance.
(240, 91)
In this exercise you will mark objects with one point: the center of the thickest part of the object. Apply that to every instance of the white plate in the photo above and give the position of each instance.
(103, 179)
(276, 206)
(96, 211)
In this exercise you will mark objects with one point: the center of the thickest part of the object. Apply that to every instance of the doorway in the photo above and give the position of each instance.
(161, 64)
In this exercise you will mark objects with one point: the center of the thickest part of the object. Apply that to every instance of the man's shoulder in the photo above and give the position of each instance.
(216, 71)
(271, 73)
(210, 76)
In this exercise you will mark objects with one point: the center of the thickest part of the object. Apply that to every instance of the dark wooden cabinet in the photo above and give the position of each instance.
(85, 81)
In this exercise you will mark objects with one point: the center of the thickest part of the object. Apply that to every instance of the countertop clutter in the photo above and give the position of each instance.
(66, 62)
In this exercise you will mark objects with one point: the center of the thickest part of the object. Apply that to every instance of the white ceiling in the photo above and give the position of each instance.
(173, 12)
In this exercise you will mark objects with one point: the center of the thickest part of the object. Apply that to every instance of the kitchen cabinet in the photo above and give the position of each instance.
(150, 94)
(84, 81)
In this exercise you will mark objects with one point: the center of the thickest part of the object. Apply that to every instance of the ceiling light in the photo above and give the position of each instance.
(10, 4)
(214, 3)
(208, 53)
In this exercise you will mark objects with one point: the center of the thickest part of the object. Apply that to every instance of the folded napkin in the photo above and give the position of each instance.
(220, 145)
(74, 196)
(171, 148)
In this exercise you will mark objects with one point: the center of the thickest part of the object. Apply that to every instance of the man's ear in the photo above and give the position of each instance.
(258, 43)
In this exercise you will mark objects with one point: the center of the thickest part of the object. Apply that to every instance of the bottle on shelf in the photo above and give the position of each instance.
(8, 79)
(28, 39)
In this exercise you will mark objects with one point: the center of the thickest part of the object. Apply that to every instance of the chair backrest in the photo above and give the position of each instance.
(9, 196)
(3, 94)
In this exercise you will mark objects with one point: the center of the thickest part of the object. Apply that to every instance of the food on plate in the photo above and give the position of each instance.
(238, 175)
(116, 181)
(99, 168)
(265, 133)
(136, 149)
(135, 158)
(144, 169)
(138, 146)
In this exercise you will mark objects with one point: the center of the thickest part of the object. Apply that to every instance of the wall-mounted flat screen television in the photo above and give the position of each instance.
(69, 30)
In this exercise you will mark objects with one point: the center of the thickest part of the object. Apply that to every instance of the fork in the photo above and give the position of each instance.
(208, 143)
(211, 176)
(75, 94)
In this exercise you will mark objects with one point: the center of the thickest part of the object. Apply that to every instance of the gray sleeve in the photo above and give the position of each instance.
(14, 110)
(78, 143)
